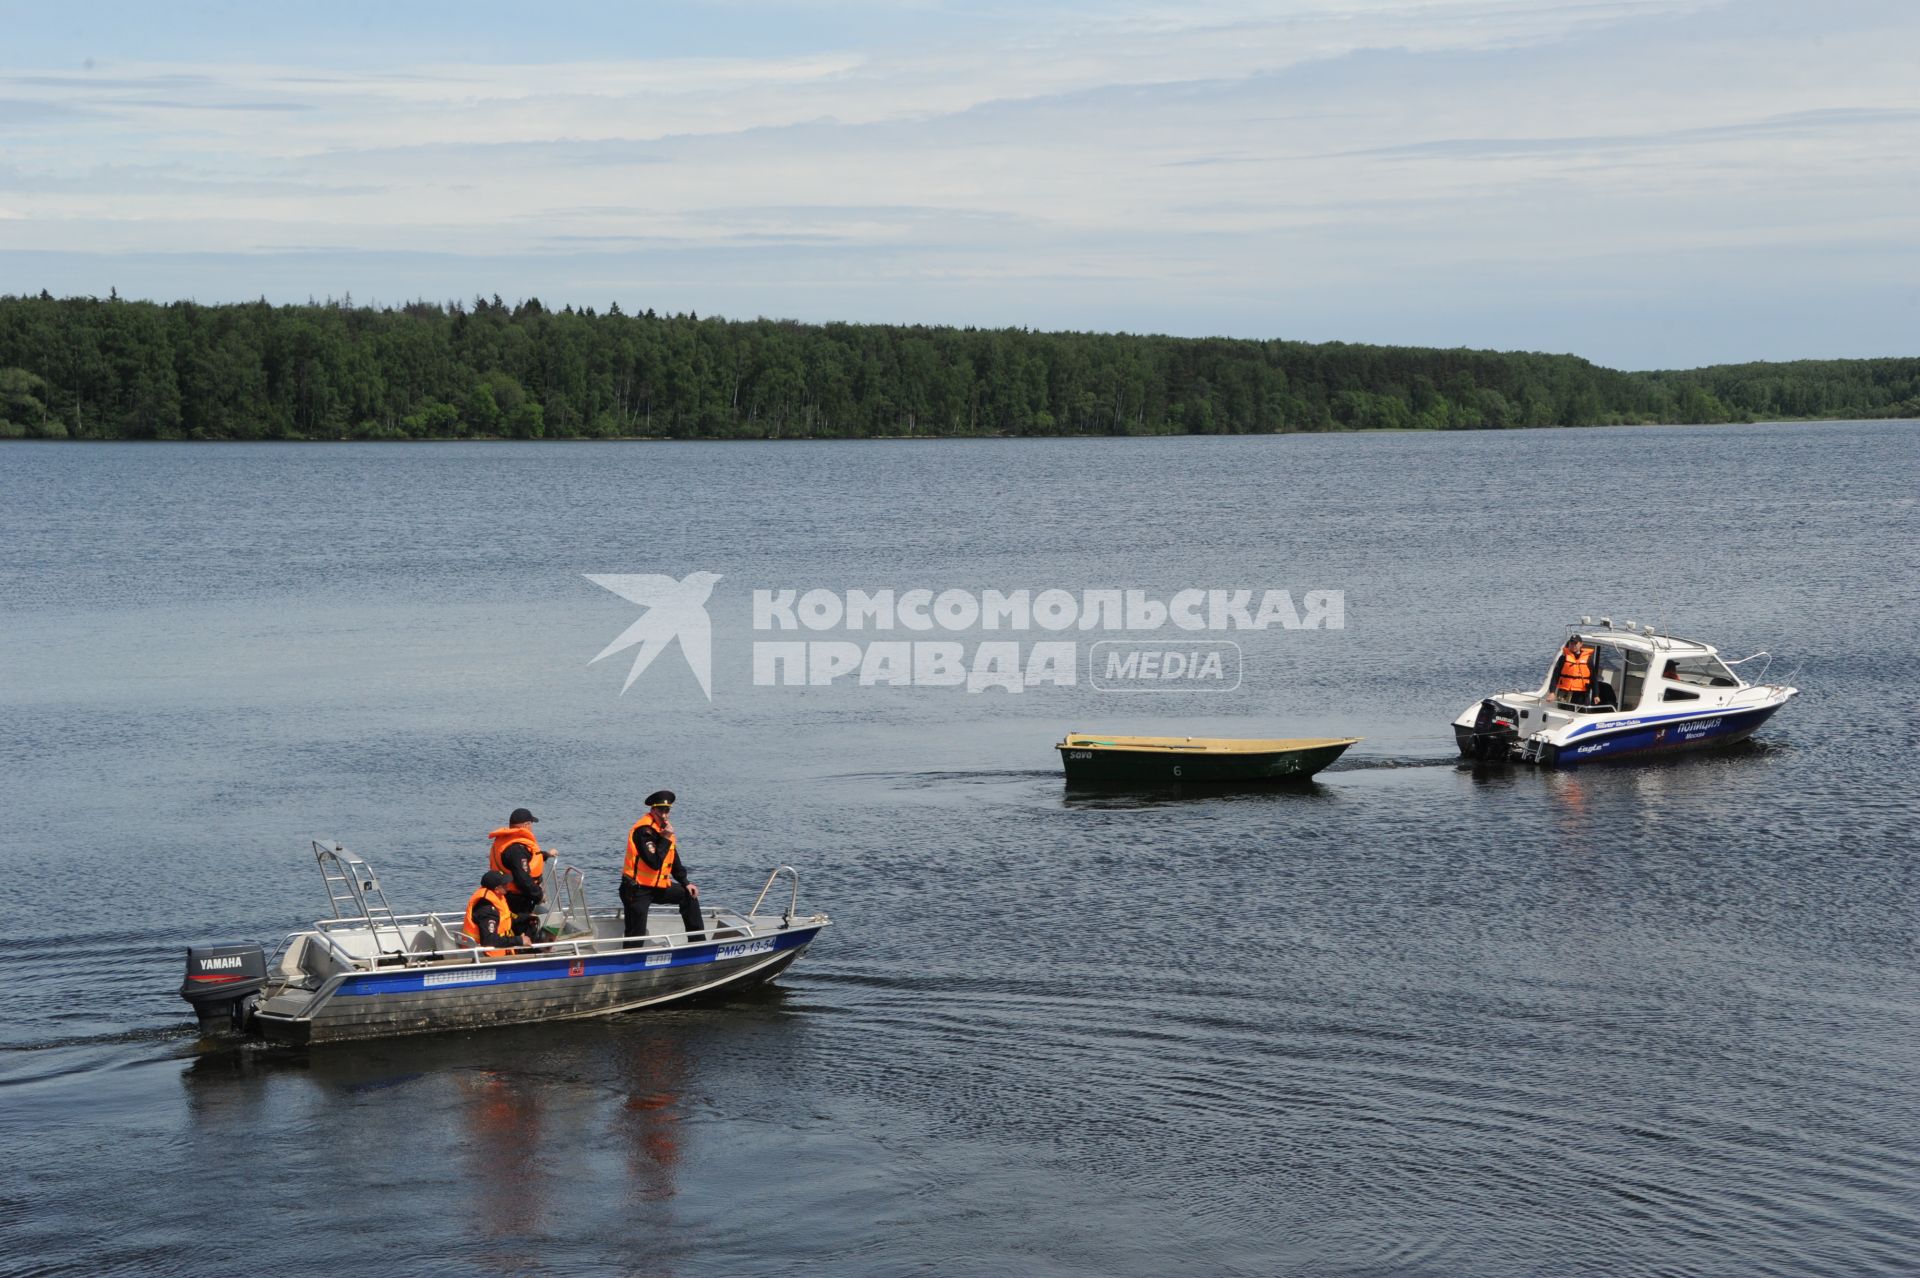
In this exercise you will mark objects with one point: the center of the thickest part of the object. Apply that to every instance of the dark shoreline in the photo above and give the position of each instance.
(930, 439)
(86, 368)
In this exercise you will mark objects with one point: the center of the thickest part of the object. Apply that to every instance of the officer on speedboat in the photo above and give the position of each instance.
(654, 872)
(489, 917)
(1575, 682)
(516, 854)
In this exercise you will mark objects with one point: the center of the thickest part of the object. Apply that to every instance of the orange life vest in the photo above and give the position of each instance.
(499, 902)
(1576, 668)
(506, 838)
(638, 870)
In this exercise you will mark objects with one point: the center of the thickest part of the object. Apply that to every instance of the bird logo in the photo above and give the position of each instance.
(674, 610)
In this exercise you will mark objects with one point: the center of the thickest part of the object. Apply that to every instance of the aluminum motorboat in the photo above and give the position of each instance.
(1646, 693)
(365, 972)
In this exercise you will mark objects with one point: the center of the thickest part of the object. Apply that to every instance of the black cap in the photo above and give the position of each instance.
(660, 799)
(494, 879)
(521, 817)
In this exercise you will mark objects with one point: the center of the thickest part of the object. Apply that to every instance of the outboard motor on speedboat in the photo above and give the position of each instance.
(1496, 731)
(224, 983)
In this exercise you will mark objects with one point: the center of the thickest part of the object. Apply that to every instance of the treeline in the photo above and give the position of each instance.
(89, 368)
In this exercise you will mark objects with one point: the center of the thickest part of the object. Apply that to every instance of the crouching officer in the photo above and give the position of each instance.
(516, 854)
(489, 917)
(655, 872)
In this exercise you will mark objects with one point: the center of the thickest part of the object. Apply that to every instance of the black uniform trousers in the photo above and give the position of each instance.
(637, 899)
(526, 916)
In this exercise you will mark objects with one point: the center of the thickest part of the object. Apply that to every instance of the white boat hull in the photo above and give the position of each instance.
(1620, 736)
(1680, 696)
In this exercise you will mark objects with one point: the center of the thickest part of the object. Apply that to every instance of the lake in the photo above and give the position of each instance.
(1412, 1018)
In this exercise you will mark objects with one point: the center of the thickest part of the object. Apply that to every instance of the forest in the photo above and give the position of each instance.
(93, 368)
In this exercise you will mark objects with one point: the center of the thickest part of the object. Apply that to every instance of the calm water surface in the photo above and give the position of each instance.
(1409, 1020)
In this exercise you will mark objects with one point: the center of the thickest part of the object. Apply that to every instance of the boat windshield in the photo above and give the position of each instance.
(1701, 671)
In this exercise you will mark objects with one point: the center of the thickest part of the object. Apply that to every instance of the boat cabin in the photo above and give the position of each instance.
(1633, 670)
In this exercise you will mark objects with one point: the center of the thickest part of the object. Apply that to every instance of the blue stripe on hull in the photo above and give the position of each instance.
(1667, 734)
(512, 972)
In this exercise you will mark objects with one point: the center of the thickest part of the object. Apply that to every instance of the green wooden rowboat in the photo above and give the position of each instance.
(1111, 760)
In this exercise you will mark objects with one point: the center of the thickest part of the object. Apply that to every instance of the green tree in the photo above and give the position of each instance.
(23, 408)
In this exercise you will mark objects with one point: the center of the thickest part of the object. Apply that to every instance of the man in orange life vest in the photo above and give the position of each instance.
(654, 871)
(516, 854)
(1576, 671)
(489, 917)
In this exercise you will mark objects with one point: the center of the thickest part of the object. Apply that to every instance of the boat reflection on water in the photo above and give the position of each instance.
(1138, 796)
(502, 1113)
(1580, 801)
(495, 1125)
(655, 1069)
(1571, 809)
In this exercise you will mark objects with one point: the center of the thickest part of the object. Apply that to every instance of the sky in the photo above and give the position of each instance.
(1645, 183)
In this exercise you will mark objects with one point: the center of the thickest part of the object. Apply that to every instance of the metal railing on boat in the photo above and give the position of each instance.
(793, 902)
(448, 944)
(350, 881)
(572, 914)
(464, 951)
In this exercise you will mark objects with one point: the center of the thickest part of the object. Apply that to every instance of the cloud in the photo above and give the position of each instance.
(110, 180)
(1804, 124)
(23, 112)
(1036, 162)
(169, 104)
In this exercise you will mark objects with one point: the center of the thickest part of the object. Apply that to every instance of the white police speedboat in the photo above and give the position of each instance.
(1646, 694)
(366, 972)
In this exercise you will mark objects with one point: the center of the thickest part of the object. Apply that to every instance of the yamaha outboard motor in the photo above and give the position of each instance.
(1496, 731)
(224, 983)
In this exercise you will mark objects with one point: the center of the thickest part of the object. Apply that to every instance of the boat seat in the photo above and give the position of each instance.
(348, 951)
(435, 936)
(358, 946)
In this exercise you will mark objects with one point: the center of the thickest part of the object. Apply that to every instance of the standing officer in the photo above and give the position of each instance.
(1574, 683)
(655, 872)
(516, 854)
